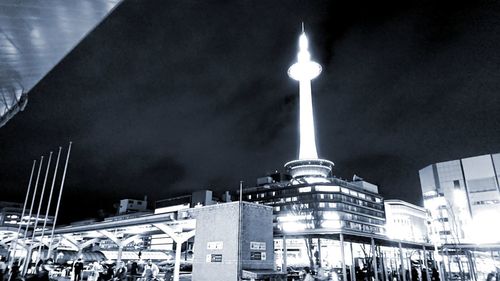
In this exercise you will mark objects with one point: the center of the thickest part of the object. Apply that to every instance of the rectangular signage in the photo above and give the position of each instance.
(258, 256)
(215, 245)
(259, 246)
(216, 258)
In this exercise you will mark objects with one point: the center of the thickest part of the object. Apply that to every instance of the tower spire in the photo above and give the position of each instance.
(304, 70)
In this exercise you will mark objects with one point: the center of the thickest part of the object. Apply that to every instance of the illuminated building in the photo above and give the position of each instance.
(462, 197)
(405, 221)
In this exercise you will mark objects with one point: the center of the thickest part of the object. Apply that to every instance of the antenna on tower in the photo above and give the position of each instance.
(302, 27)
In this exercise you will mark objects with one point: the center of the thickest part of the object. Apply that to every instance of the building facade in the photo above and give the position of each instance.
(11, 212)
(405, 221)
(332, 206)
(462, 196)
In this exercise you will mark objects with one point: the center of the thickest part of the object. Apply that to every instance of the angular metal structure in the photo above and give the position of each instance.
(34, 36)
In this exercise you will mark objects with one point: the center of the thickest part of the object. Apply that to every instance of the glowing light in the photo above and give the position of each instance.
(460, 199)
(293, 226)
(294, 218)
(304, 70)
(305, 189)
(485, 227)
(330, 224)
(327, 188)
(331, 216)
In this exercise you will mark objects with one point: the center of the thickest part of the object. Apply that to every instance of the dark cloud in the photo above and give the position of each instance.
(164, 98)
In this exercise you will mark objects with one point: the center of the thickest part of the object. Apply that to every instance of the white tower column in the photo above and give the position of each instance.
(304, 70)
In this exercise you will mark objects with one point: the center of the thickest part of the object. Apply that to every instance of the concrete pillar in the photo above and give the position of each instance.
(284, 269)
(119, 254)
(353, 266)
(177, 266)
(27, 261)
(428, 273)
(374, 261)
(401, 259)
(319, 252)
(342, 256)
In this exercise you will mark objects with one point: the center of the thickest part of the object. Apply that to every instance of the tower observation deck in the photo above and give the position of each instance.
(308, 164)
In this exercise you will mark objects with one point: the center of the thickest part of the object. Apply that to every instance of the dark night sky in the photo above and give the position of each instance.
(167, 97)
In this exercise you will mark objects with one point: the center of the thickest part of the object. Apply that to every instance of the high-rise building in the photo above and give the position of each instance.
(463, 197)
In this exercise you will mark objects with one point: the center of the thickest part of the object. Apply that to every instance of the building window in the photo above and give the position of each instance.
(277, 208)
(305, 189)
(327, 188)
(250, 197)
(321, 204)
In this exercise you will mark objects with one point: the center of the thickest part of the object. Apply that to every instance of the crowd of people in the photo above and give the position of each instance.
(40, 272)
(80, 270)
(101, 271)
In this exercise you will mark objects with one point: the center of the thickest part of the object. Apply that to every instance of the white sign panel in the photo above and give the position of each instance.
(216, 245)
(258, 246)
(263, 256)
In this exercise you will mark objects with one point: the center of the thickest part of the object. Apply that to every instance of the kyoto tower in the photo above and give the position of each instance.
(308, 165)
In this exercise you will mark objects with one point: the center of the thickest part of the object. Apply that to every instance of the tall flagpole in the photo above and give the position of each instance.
(31, 210)
(49, 203)
(40, 202)
(59, 201)
(14, 243)
(240, 207)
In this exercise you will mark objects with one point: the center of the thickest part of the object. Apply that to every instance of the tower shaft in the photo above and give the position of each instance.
(307, 148)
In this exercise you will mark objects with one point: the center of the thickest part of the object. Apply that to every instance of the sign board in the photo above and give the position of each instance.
(216, 245)
(258, 256)
(216, 258)
(259, 246)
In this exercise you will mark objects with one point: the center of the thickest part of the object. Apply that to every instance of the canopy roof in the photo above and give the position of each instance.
(34, 36)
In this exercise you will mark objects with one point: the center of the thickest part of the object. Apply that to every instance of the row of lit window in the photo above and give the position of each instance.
(318, 188)
(315, 197)
(339, 206)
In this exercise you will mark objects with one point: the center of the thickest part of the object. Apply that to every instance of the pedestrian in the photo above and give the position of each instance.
(134, 269)
(120, 272)
(42, 272)
(307, 274)
(150, 271)
(3, 268)
(78, 267)
(14, 271)
(435, 275)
